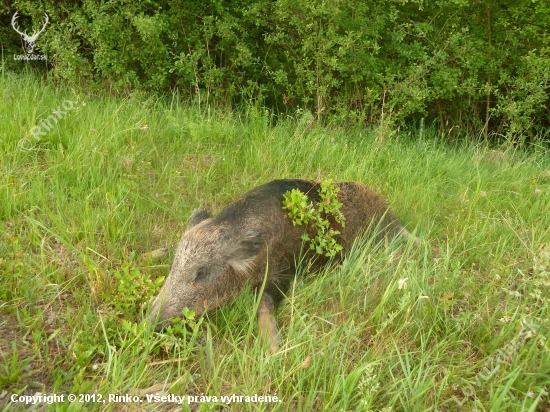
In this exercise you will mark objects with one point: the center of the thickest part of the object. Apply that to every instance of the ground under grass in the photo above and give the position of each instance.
(391, 328)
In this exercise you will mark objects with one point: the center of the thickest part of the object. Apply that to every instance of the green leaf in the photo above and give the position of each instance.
(302, 211)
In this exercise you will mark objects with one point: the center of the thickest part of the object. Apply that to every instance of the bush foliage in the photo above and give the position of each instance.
(468, 65)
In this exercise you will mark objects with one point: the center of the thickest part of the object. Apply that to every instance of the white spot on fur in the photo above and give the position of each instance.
(243, 266)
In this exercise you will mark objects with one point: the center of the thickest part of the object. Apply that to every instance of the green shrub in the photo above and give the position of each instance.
(466, 66)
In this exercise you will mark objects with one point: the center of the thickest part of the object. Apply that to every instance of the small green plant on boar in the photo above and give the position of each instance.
(324, 218)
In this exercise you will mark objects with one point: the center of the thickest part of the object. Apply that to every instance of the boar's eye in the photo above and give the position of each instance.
(202, 273)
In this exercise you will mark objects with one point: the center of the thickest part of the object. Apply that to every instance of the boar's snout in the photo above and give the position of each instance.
(168, 306)
(161, 312)
(155, 316)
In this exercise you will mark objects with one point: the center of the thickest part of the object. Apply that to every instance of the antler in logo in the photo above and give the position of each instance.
(29, 40)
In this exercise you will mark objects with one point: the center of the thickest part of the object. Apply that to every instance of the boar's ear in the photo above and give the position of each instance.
(242, 255)
(198, 216)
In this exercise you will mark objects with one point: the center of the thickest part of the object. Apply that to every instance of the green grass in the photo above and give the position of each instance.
(117, 178)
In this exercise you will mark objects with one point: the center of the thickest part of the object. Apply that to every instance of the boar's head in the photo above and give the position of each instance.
(212, 264)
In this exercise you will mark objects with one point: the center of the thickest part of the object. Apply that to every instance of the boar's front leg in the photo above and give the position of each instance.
(267, 323)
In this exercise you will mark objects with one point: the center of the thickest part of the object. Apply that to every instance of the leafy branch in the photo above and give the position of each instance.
(326, 217)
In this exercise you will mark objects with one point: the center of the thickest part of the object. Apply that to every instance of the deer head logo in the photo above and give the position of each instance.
(29, 40)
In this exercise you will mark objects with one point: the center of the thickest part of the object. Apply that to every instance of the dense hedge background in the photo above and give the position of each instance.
(475, 66)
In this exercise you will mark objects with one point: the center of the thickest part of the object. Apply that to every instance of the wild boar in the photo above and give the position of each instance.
(218, 256)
